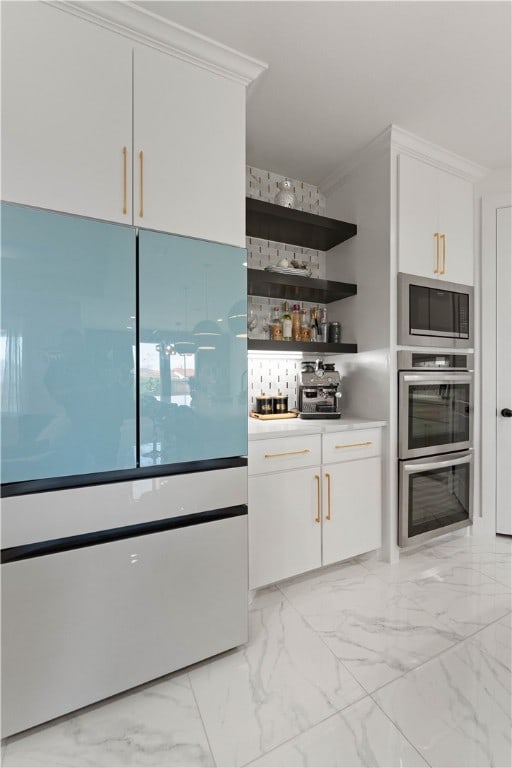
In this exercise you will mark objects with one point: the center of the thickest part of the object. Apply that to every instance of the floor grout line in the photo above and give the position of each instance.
(202, 720)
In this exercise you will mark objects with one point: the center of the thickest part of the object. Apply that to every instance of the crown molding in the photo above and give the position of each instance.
(141, 25)
(394, 138)
(404, 141)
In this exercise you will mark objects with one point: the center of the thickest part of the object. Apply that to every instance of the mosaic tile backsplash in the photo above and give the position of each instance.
(278, 374)
(272, 376)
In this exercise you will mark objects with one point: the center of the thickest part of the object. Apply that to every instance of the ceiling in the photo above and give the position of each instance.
(340, 72)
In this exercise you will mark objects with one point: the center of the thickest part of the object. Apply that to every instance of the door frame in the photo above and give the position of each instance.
(489, 357)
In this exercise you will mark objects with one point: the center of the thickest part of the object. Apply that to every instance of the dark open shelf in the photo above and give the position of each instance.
(314, 347)
(296, 288)
(286, 225)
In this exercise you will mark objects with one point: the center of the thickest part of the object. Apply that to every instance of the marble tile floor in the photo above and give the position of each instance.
(358, 664)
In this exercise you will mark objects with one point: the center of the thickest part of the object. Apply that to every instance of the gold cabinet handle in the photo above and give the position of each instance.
(443, 238)
(436, 270)
(328, 515)
(125, 153)
(317, 518)
(288, 453)
(141, 156)
(354, 445)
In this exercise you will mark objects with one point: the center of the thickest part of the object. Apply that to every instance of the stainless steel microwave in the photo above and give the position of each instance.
(434, 313)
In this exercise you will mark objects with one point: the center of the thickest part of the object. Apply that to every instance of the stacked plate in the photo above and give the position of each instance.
(289, 271)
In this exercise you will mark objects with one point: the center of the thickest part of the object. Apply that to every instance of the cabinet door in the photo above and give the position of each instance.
(190, 125)
(456, 223)
(417, 217)
(352, 510)
(284, 525)
(66, 113)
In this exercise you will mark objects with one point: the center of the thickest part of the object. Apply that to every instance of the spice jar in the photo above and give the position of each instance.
(280, 403)
(264, 404)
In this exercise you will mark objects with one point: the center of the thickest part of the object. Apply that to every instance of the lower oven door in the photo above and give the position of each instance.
(435, 496)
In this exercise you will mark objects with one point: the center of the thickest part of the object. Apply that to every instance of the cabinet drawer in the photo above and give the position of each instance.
(283, 453)
(351, 444)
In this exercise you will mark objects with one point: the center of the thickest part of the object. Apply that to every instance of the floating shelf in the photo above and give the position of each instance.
(296, 288)
(286, 225)
(314, 347)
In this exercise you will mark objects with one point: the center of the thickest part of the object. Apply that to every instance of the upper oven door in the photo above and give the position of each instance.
(435, 413)
(434, 313)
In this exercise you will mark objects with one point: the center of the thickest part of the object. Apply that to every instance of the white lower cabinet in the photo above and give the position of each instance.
(284, 525)
(352, 509)
(303, 518)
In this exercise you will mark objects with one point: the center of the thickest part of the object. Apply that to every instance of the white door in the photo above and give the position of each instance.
(352, 509)
(66, 113)
(417, 217)
(189, 124)
(504, 370)
(284, 525)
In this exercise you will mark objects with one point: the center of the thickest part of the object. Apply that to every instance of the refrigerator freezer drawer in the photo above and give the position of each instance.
(82, 625)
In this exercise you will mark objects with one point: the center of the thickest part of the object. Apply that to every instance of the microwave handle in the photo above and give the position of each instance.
(437, 464)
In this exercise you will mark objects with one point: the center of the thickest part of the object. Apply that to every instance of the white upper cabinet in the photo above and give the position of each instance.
(66, 113)
(189, 125)
(435, 222)
(83, 108)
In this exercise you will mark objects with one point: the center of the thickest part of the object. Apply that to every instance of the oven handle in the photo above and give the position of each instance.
(433, 377)
(437, 464)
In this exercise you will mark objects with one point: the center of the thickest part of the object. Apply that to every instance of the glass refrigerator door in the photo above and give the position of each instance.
(67, 345)
(192, 350)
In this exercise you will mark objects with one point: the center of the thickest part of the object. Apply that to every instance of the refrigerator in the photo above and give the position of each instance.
(123, 458)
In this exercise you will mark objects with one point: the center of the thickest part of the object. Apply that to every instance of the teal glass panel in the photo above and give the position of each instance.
(192, 349)
(68, 403)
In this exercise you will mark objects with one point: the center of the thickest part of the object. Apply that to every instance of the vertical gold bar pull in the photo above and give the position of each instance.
(125, 153)
(141, 156)
(317, 518)
(436, 270)
(443, 238)
(328, 515)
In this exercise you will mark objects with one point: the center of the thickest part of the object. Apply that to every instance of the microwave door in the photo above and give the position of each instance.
(443, 312)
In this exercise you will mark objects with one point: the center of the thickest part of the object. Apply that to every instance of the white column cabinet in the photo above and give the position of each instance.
(66, 113)
(435, 222)
(189, 124)
(303, 518)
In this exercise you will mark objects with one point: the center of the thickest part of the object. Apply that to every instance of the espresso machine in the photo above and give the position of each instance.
(319, 391)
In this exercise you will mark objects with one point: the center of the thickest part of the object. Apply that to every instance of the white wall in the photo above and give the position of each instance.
(363, 197)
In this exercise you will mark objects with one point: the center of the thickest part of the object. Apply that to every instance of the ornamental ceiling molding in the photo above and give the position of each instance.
(143, 26)
(394, 139)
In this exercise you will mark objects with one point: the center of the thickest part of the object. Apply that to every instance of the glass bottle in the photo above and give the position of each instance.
(286, 320)
(323, 325)
(305, 331)
(313, 325)
(276, 326)
(296, 322)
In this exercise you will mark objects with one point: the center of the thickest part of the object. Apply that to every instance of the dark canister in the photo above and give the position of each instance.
(334, 333)
(280, 403)
(264, 404)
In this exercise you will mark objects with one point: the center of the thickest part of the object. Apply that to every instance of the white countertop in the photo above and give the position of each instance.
(259, 430)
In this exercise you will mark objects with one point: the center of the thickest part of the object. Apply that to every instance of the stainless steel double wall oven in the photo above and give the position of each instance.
(435, 392)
